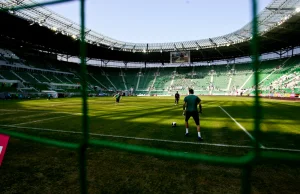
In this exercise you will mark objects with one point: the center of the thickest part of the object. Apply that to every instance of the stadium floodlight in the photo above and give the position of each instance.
(161, 51)
(144, 50)
(41, 22)
(286, 17)
(74, 36)
(112, 48)
(62, 32)
(297, 10)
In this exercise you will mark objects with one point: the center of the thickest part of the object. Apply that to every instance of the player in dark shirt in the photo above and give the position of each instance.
(117, 96)
(177, 97)
(190, 110)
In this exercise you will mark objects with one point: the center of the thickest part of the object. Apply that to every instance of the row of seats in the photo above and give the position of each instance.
(8, 54)
(161, 79)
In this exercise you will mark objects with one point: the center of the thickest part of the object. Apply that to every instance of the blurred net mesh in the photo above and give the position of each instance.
(246, 162)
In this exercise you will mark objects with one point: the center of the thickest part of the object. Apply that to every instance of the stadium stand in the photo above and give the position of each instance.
(131, 77)
(114, 77)
(35, 74)
(163, 80)
(6, 74)
(146, 79)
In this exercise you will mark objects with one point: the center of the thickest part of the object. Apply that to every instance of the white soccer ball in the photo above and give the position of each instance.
(173, 124)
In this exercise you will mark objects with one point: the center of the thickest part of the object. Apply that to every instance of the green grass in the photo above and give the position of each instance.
(34, 168)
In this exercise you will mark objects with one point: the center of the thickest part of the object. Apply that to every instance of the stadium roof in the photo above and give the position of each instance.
(35, 30)
(273, 16)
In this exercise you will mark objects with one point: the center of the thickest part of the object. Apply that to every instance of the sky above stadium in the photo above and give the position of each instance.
(156, 21)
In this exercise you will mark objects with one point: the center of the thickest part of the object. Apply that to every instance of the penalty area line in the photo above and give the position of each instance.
(149, 139)
(238, 124)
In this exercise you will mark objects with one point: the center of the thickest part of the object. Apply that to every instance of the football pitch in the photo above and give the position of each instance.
(226, 126)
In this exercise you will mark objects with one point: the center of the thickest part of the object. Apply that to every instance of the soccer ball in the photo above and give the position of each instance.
(173, 124)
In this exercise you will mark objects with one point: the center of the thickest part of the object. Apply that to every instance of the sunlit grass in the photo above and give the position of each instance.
(150, 118)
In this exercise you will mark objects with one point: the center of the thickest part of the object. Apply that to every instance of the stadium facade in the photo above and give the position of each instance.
(39, 52)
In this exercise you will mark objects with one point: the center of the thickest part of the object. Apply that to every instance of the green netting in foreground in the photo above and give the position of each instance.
(246, 162)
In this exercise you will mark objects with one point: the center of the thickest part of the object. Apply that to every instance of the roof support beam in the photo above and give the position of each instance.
(69, 26)
(232, 43)
(219, 52)
(19, 1)
(200, 49)
(99, 40)
(282, 9)
(183, 48)
(212, 42)
(125, 63)
(245, 38)
(175, 48)
(290, 27)
(87, 32)
(106, 62)
(284, 50)
(121, 47)
(215, 44)
(278, 40)
(112, 45)
(133, 48)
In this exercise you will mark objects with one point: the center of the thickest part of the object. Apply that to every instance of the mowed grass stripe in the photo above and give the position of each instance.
(149, 139)
(240, 126)
(41, 120)
(280, 123)
(151, 123)
(151, 117)
(28, 117)
(126, 137)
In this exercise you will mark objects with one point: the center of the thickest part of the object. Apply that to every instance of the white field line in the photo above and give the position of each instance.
(238, 124)
(127, 137)
(78, 113)
(148, 139)
(41, 120)
(7, 113)
(36, 115)
(282, 149)
(41, 111)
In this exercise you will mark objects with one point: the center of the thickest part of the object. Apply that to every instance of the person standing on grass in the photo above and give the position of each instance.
(190, 110)
(117, 96)
(177, 96)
